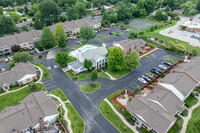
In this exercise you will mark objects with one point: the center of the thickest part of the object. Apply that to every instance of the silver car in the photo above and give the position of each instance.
(142, 80)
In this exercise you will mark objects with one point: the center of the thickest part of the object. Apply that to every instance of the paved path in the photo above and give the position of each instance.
(186, 119)
(133, 128)
(111, 78)
(39, 81)
(66, 112)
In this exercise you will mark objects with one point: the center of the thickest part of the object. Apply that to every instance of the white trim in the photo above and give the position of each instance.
(174, 90)
(27, 77)
(141, 117)
(158, 104)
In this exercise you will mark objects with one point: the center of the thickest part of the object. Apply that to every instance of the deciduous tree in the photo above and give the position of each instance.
(87, 64)
(1, 10)
(116, 59)
(11, 64)
(32, 86)
(61, 59)
(22, 57)
(87, 33)
(94, 75)
(15, 48)
(60, 35)
(7, 25)
(133, 59)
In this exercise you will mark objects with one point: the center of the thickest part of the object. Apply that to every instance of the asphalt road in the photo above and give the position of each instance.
(87, 105)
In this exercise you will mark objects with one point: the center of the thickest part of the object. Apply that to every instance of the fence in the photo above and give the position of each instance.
(151, 48)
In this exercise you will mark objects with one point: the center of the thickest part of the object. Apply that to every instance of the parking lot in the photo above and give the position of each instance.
(157, 57)
(49, 84)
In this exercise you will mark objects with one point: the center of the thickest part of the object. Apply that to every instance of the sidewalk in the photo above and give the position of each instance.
(66, 111)
(111, 78)
(39, 81)
(186, 119)
(122, 118)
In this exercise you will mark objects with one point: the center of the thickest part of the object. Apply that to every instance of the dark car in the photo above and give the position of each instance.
(155, 72)
(149, 75)
(146, 78)
(167, 63)
(78, 36)
(111, 33)
(192, 36)
(157, 69)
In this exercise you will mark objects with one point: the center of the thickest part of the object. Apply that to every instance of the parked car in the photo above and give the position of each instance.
(146, 78)
(155, 72)
(123, 28)
(10, 58)
(78, 42)
(167, 63)
(117, 34)
(192, 36)
(78, 36)
(157, 69)
(149, 75)
(142, 80)
(162, 67)
(195, 37)
(111, 33)
(6, 60)
(31, 52)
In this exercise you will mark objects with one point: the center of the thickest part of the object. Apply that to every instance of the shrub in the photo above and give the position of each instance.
(185, 112)
(40, 56)
(156, 39)
(99, 69)
(34, 80)
(161, 41)
(192, 95)
(197, 94)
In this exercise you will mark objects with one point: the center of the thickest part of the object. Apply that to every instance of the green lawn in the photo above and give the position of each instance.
(191, 101)
(87, 88)
(45, 71)
(195, 115)
(14, 98)
(14, 87)
(111, 116)
(177, 126)
(76, 121)
(170, 60)
(70, 59)
(59, 93)
(87, 75)
(2, 91)
(111, 97)
(118, 74)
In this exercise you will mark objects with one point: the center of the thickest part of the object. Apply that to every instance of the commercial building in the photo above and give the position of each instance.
(191, 26)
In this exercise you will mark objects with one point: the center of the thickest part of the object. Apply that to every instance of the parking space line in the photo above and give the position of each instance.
(140, 83)
(51, 87)
(50, 84)
(47, 81)
(135, 84)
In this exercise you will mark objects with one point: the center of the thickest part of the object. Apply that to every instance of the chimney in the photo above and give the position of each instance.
(42, 124)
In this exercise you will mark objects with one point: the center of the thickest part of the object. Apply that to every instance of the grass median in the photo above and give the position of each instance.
(111, 116)
(46, 74)
(90, 87)
(59, 93)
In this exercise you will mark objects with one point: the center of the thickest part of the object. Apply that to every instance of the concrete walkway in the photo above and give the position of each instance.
(66, 112)
(122, 118)
(111, 78)
(148, 53)
(39, 81)
(186, 119)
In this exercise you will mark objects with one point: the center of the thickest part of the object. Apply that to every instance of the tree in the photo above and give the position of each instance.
(87, 33)
(160, 16)
(167, 8)
(15, 48)
(189, 8)
(25, 28)
(50, 12)
(126, 21)
(11, 64)
(25, 9)
(32, 86)
(113, 18)
(132, 35)
(15, 16)
(21, 2)
(7, 25)
(195, 52)
(60, 35)
(123, 12)
(103, 10)
(1, 10)
(133, 59)
(143, 12)
(47, 40)
(22, 57)
(94, 75)
(171, 46)
(62, 59)
(137, 90)
(87, 64)
(116, 59)
(80, 8)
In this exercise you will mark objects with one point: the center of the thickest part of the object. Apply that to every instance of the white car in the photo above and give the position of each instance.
(162, 67)
(142, 80)
(6, 60)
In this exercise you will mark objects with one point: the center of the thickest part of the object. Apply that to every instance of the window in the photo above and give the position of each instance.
(30, 43)
(24, 44)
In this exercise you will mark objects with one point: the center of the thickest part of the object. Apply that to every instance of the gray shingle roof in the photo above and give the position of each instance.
(27, 114)
(94, 54)
(76, 64)
(16, 73)
(26, 36)
(151, 113)
(129, 43)
(8, 41)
